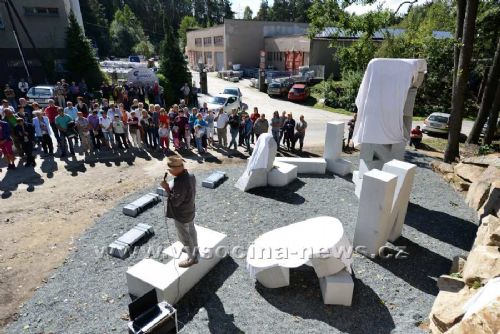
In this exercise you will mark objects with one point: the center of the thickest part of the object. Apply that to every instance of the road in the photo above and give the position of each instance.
(316, 118)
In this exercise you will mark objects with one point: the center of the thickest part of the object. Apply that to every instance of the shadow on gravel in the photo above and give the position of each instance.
(204, 295)
(418, 159)
(419, 268)
(442, 226)
(21, 175)
(285, 194)
(302, 298)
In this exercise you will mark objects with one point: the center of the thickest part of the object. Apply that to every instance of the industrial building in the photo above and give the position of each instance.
(46, 21)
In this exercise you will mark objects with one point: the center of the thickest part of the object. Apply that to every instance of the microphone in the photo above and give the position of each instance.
(165, 177)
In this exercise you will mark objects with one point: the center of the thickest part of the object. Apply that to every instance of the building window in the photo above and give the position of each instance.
(41, 11)
(197, 41)
(219, 40)
(269, 56)
(207, 41)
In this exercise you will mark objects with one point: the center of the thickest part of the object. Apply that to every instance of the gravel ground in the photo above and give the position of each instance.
(88, 293)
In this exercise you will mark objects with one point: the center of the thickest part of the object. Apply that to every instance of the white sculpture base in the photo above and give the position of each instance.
(334, 138)
(327, 266)
(169, 280)
(275, 277)
(337, 289)
(281, 174)
(306, 165)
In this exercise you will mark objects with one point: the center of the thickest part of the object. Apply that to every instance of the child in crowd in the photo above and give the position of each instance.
(198, 135)
(163, 132)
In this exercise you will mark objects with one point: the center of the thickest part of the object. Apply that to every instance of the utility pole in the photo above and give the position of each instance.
(18, 41)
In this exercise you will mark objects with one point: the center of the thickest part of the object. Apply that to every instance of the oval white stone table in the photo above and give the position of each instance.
(319, 242)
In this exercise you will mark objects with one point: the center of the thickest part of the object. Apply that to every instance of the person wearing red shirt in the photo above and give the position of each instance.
(416, 137)
(51, 113)
(253, 117)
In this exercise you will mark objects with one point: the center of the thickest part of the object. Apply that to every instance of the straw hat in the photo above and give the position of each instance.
(175, 162)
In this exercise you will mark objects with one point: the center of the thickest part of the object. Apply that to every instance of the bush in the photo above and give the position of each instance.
(340, 94)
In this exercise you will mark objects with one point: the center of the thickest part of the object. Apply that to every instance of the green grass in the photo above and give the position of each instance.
(313, 101)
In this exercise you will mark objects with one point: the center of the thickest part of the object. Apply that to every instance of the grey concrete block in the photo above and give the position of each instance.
(146, 228)
(119, 249)
(214, 180)
(132, 236)
(161, 191)
(141, 204)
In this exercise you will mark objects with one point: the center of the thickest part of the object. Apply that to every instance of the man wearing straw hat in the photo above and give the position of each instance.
(181, 207)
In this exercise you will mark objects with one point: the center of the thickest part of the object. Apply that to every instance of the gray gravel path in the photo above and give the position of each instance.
(88, 293)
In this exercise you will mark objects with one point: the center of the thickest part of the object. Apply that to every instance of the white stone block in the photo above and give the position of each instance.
(327, 266)
(334, 137)
(275, 277)
(281, 174)
(337, 289)
(340, 167)
(358, 182)
(374, 156)
(306, 165)
(169, 280)
(253, 179)
(373, 225)
(405, 173)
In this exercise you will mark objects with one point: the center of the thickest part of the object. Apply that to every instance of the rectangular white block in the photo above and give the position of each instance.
(253, 179)
(340, 167)
(405, 173)
(358, 182)
(281, 174)
(306, 165)
(275, 277)
(327, 266)
(337, 289)
(334, 137)
(373, 225)
(169, 280)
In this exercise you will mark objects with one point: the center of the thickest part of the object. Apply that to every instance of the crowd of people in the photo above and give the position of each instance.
(63, 125)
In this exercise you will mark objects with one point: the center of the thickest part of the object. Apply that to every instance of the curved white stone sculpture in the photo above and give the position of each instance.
(319, 242)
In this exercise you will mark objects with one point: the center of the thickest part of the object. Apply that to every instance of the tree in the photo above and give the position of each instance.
(81, 61)
(263, 13)
(487, 99)
(247, 14)
(145, 48)
(493, 118)
(96, 25)
(188, 22)
(173, 66)
(462, 75)
(126, 32)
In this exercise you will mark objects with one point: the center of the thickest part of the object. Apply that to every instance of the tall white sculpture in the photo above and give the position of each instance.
(385, 104)
(334, 138)
(382, 205)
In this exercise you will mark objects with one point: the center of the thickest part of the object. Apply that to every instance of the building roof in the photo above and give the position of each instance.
(337, 33)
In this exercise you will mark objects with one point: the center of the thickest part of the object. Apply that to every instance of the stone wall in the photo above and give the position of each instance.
(479, 179)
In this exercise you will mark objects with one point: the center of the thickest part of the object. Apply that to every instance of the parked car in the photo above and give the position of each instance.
(437, 122)
(276, 89)
(225, 101)
(232, 91)
(298, 93)
(41, 94)
(134, 59)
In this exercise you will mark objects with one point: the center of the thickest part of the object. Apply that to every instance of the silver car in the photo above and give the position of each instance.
(437, 122)
(41, 94)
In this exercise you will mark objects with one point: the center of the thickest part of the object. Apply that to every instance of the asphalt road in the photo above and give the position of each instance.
(316, 118)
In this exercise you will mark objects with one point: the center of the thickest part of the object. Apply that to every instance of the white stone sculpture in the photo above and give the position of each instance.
(383, 204)
(385, 102)
(334, 138)
(169, 280)
(337, 289)
(260, 163)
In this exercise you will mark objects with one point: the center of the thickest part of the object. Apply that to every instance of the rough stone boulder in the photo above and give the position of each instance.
(484, 160)
(448, 308)
(492, 204)
(479, 190)
(488, 233)
(470, 173)
(450, 283)
(441, 167)
(457, 266)
(485, 321)
(483, 263)
(460, 184)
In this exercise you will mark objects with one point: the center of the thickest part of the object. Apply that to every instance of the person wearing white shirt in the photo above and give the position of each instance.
(5, 105)
(43, 131)
(106, 125)
(23, 87)
(222, 121)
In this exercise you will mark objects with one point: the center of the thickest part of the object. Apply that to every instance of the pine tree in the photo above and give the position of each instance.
(96, 25)
(247, 14)
(81, 61)
(173, 66)
(263, 13)
(126, 32)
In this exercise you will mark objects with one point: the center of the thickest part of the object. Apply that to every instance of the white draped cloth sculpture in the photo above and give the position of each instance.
(381, 100)
(260, 163)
